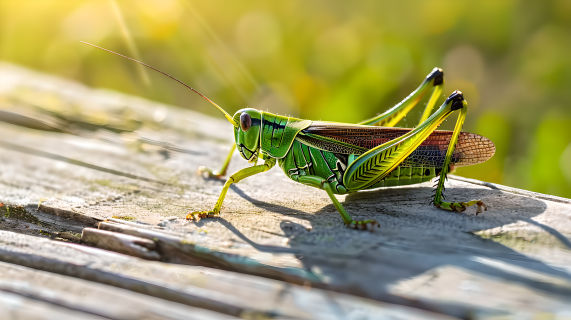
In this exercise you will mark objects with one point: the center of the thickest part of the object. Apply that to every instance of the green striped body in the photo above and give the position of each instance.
(304, 160)
(279, 138)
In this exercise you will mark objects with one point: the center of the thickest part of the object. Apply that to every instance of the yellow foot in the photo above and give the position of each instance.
(208, 173)
(197, 215)
(461, 206)
(364, 225)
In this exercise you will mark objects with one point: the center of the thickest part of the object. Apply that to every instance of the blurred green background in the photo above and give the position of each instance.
(337, 61)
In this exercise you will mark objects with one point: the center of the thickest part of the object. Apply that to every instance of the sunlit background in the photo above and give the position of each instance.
(338, 61)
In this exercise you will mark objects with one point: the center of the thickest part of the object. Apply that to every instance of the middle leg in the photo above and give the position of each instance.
(321, 183)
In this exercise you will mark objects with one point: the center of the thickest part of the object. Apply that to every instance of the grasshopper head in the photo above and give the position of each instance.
(247, 134)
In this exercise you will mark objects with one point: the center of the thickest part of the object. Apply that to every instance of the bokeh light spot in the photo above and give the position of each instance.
(258, 34)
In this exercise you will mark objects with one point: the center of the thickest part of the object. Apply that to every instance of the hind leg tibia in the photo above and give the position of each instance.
(438, 196)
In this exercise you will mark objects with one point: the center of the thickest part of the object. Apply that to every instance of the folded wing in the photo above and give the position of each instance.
(471, 148)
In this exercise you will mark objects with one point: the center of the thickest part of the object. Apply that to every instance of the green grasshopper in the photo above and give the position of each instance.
(341, 158)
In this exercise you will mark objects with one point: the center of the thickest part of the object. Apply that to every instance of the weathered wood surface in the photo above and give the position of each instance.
(79, 299)
(122, 243)
(511, 260)
(224, 292)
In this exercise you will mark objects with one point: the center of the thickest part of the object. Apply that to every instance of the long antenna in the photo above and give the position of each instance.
(168, 75)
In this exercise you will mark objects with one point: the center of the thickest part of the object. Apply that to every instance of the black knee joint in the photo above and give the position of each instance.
(437, 76)
(456, 98)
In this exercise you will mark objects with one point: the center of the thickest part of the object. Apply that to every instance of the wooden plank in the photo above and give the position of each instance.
(15, 306)
(122, 243)
(270, 224)
(23, 291)
(174, 249)
(216, 290)
(526, 193)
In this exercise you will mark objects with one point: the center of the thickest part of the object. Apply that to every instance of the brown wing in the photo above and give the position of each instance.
(470, 149)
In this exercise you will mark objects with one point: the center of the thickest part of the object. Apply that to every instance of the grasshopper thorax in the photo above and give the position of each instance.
(247, 133)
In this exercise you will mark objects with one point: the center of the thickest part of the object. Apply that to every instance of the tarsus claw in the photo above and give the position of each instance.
(461, 206)
(197, 215)
(209, 173)
(364, 225)
(480, 205)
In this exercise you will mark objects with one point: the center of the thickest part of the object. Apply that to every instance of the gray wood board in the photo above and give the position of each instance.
(81, 298)
(220, 291)
(512, 259)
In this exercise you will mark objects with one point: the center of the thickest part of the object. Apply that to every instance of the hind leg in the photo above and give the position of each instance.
(392, 116)
(438, 196)
(374, 165)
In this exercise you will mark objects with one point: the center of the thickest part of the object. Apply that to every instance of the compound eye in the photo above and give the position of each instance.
(245, 121)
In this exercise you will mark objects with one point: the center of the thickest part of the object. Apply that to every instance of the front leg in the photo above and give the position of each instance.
(236, 177)
(218, 174)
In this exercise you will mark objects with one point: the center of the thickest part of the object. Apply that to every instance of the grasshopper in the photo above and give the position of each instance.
(341, 158)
